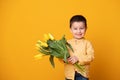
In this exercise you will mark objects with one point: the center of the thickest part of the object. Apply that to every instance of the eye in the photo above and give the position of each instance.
(81, 28)
(75, 28)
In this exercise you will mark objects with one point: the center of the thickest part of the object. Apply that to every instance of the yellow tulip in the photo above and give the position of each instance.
(50, 36)
(46, 37)
(38, 56)
(37, 45)
(39, 41)
(44, 44)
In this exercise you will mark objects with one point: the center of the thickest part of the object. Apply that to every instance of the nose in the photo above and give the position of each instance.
(78, 30)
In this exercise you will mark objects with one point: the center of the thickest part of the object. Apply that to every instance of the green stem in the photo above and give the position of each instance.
(80, 67)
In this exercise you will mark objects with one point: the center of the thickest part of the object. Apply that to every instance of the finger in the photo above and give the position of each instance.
(70, 59)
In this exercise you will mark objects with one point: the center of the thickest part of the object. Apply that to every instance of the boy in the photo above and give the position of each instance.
(83, 50)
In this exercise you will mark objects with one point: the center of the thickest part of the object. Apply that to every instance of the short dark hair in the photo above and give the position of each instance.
(78, 18)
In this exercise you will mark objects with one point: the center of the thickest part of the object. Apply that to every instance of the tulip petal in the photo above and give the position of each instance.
(38, 56)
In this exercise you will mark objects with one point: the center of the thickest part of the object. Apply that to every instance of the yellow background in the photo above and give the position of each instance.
(23, 22)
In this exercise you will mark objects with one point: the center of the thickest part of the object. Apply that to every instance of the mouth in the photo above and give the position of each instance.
(78, 34)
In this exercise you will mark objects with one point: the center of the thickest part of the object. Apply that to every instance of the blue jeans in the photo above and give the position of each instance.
(78, 77)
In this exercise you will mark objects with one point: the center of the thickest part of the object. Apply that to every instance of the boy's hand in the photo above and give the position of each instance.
(73, 59)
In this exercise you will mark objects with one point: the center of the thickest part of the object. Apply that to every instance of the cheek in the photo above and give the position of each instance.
(83, 31)
(73, 31)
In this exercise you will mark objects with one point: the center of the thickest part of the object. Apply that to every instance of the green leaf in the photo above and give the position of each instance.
(56, 53)
(54, 45)
(70, 46)
(80, 67)
(65, 57)
(52, 61)
(44, 51)
(63, 44)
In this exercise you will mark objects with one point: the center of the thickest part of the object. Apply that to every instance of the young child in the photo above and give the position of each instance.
(83, 50)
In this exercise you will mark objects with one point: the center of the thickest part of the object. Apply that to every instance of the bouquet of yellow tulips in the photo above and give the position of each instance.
(55, 48)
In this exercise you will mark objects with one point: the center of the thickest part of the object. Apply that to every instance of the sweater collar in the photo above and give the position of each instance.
(78, 39)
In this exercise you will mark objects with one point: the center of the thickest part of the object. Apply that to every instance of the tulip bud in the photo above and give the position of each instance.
(44, 44)
(40, 43)
(50, 36)
(38, 56)
(46, 37)
(37, 45)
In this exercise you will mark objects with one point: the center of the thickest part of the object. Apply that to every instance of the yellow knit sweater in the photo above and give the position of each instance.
(84, 51)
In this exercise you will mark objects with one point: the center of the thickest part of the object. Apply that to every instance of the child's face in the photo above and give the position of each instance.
(78, 29)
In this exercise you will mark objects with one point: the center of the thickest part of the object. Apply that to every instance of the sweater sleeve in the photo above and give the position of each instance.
(89, 56)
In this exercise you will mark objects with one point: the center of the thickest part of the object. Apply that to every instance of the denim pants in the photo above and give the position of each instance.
(78, 77)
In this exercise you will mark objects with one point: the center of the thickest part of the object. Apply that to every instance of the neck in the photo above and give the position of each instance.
(78, 38)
